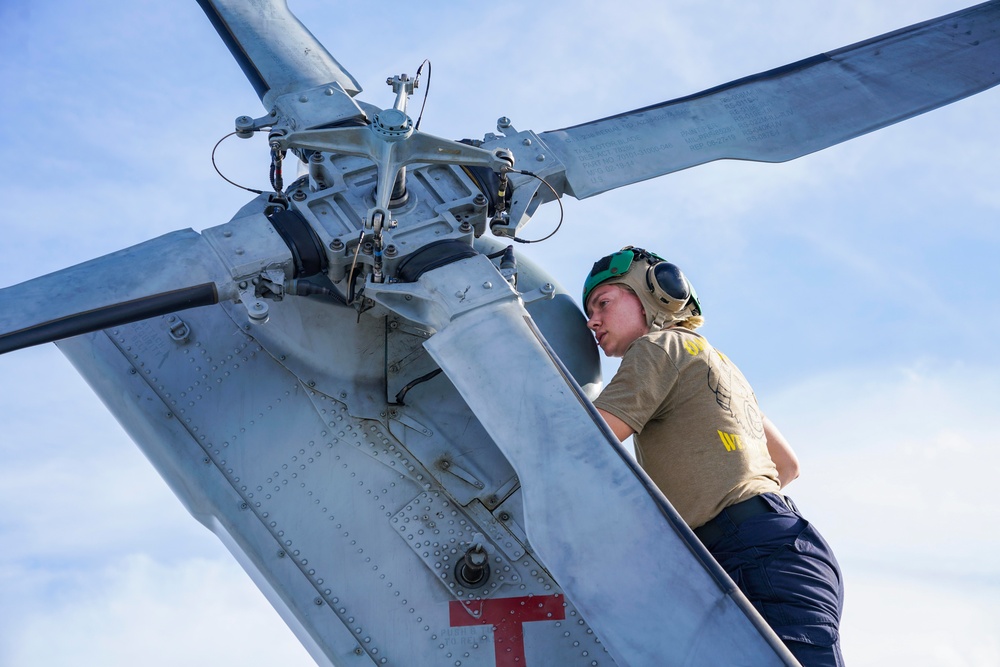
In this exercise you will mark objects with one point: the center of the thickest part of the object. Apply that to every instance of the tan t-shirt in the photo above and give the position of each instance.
(699, 434)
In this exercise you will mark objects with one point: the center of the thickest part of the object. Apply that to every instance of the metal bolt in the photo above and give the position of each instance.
(257, 310)
(504, 516)
(465, 227)
(318, 602)
(487, 285)
(298, 195)
(479, 200)
(503, 122)
(540, 157)
(336, 244)
(390, 250)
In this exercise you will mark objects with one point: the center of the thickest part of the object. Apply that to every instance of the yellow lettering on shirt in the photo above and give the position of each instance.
(694, 346)
(731, 441)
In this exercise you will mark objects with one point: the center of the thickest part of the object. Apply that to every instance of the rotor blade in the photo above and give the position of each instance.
(272, 47)
(793, 110)
(171, 273)
(623, 556)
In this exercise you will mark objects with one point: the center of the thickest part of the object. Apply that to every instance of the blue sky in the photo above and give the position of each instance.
(856, 288)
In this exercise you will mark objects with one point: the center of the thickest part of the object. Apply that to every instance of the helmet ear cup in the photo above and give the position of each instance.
(668, 285)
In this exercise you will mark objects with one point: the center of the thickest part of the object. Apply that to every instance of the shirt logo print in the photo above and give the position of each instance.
(732, 441)
(694, 346)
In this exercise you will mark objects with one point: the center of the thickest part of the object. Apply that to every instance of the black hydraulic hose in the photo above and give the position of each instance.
(304, 287)
(110, 316)
(423, 378)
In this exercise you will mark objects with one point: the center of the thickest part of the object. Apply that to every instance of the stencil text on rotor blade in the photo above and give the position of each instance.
(708, 135)
(613, 154)
(756, 121)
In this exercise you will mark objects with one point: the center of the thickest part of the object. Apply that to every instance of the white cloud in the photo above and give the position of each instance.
(138, 611)
(920, 621)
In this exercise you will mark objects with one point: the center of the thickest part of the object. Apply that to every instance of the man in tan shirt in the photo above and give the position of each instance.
(701, 437)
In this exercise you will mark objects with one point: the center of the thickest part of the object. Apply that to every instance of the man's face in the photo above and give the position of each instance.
(616, 317)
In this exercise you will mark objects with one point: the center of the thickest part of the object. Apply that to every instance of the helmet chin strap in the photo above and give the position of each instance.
(663, 319)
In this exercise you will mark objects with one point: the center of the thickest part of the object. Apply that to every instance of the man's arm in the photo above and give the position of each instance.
(781, 453)
(620, 428)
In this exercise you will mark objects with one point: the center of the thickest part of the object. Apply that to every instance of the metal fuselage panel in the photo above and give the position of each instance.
(350, 512)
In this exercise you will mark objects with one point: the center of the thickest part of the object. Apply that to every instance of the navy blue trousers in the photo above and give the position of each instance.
(790, 575)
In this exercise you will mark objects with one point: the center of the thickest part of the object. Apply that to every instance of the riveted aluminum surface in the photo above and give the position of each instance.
(300, 471)
(440, 534)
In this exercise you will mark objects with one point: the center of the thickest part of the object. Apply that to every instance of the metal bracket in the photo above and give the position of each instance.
(546, 291)
(178, 329)
(305, 109)
(449, 466)
(443, 294)
(409, 422)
